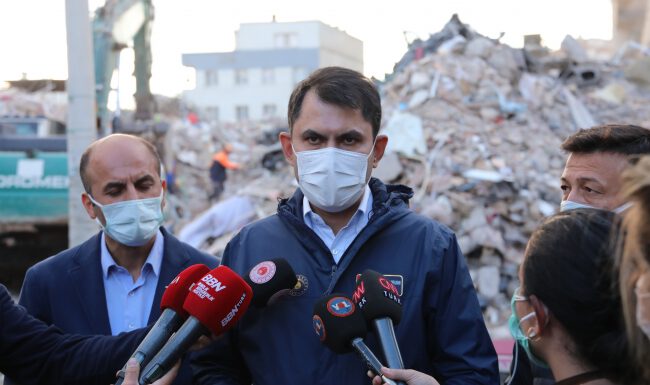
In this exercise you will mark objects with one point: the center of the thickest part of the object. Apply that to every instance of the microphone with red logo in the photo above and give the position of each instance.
(270, 280)
(381, 305)
(215, 303)
(341, 327)
(170, 319)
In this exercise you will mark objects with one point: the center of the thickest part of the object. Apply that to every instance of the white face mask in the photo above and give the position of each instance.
(642, 308)
(332, 179)
(134, 222)
(571, 205)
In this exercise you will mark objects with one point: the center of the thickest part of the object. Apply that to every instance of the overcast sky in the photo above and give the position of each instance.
(33, 41)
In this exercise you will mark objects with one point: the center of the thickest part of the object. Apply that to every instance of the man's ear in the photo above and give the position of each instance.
(287, 149)
(380, 146)
(164, 189)
(88, 205)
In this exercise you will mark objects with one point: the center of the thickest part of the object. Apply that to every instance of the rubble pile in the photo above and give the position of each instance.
(478, 127)
(264, 175)
(48, 102)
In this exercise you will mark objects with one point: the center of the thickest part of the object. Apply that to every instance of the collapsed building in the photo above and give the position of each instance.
(474, 126)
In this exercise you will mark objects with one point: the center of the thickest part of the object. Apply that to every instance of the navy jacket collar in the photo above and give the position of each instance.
(390, 203)
(87, 273)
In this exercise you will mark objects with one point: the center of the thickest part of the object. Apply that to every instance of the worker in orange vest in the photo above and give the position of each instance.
(220, 163)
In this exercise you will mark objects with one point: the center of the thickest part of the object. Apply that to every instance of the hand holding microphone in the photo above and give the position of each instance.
(215, 303)
(412, 377)
(132, 372)
(170, 319)
(381, 305)
(341, 328)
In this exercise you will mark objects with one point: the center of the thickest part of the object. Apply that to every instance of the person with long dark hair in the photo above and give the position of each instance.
(566, 313)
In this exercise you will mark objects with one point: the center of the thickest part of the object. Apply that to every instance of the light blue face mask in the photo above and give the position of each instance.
(514, 324)
(133, 222)
(571, 205)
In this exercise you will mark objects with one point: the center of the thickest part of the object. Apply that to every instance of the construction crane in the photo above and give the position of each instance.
(116, 25)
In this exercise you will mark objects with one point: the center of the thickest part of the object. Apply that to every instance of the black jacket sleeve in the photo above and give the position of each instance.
(33, 353)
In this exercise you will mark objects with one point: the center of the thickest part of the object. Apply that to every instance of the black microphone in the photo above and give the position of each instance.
(270, 280)
(215, 303)
(170, 319)
(381, 305)
(342, 328)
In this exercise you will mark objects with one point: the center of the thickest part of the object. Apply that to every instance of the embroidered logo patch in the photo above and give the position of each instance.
(301, 286)
(396, 280)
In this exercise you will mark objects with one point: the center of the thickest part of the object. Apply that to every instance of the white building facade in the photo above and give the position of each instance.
(254, 81)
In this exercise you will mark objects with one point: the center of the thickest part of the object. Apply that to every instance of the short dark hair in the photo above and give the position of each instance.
(85, 158)
(569, 266)
(625, 139)
(342, 87)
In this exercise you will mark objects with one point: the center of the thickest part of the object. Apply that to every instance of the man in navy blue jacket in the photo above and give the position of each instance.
(114, 281)
(34, 353)
(334, 227)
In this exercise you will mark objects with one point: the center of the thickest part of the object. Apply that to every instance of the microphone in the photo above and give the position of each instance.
(270, 280)
(215, 303)
(342, 328)
(170, 319)
(381, 305)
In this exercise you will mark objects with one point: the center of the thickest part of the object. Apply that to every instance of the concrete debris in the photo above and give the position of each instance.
(492, 124)
(224, 217)
(405, 134)
(639, 72)
(389, 169)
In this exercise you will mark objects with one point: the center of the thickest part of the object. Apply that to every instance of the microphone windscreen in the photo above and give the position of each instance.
(177, 290)
(337, 322)
(270, 278)
(377, 297)
(218, 299)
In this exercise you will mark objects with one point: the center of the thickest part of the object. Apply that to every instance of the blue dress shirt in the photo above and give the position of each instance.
(340, 242)
(129, 303)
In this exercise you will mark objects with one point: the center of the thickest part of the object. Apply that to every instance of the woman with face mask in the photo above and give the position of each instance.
(635, 264)
(566, 314)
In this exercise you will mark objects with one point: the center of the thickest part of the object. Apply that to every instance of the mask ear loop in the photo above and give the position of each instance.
(532, 333)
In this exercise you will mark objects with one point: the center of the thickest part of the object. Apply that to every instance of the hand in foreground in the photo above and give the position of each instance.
(133, 373)
(412, 377)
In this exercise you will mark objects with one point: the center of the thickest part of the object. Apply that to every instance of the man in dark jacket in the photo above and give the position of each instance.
(33, 353)
(113, 282)
(334, 227)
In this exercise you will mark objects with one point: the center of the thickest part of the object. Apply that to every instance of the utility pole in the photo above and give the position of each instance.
(81, 124)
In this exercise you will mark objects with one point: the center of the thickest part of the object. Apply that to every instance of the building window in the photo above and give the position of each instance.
(268, 110)
(299, 74)
(211, 78)
(285, 40)
(212, 113)
(241, 112)
(268, 76)
(241, 77)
